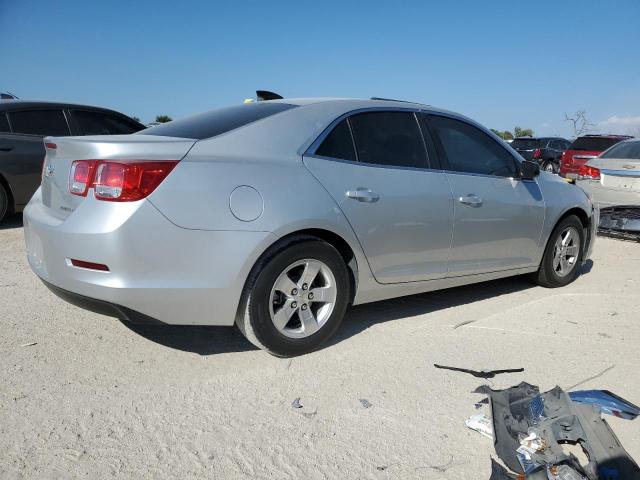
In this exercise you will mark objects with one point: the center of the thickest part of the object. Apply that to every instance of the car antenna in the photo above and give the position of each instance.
(263, 95)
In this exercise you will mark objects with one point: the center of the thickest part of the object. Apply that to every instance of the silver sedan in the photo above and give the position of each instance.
(278, 215)
(613, 178)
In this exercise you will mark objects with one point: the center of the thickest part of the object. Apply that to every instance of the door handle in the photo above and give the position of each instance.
(4, 147)
(472, 200)
(363, 195)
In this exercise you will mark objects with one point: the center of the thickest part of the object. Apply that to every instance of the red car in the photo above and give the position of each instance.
(584, 149)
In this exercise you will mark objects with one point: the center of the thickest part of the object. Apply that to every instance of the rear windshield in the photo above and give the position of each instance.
(526, 143)
(626, 150)
(593, 144)
(216, 122)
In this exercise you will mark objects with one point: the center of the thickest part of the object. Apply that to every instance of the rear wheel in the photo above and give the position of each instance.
(562, 258)
(4, 202)
(296, 299)
(550, 167)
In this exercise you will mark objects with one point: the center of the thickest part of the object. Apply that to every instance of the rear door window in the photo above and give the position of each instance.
(465, 148)
(526, 144)
(593, 144)
(338, 144)
(4, 123)
(625, 150)
(39, 122)
(216, 122)
(389, 138)
(101, 123)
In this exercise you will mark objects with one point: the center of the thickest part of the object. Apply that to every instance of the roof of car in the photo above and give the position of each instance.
(357, 103)
(19, 104)
(539, 138)
(604, 135)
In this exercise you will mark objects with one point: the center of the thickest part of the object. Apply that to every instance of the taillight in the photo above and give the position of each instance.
(80, 176)
(118, 181)
(537, 153)
(587, 172)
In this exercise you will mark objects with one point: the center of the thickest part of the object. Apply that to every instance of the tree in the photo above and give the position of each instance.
(163, 118)
(522, 132)
(137, 119)
(506, 135)
(579, 122)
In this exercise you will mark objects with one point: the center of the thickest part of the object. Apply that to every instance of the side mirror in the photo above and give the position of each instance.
(529, 170)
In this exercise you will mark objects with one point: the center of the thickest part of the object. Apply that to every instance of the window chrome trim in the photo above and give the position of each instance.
(310, 151)
(620, 173)
(375, 165)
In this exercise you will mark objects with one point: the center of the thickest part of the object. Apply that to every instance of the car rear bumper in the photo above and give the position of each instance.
(608, 197)
(102, 307)
(157, 271)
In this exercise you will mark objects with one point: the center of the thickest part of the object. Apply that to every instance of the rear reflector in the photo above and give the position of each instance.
(50, 145)
(537, 153)
(89, 265)
(118, 181)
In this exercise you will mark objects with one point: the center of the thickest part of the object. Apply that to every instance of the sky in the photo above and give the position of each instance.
(501, 63)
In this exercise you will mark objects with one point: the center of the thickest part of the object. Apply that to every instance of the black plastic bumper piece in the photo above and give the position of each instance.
(102, 307)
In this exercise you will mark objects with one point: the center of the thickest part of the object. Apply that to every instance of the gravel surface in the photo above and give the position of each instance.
(85, 396)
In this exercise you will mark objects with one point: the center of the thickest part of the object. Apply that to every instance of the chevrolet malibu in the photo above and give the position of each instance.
(278, 215)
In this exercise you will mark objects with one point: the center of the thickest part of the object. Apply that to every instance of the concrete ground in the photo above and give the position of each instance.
(94, 398)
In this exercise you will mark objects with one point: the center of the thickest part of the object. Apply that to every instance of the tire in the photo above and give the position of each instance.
(552, 273)
(550, 167)
(4, 202)
(268, 299)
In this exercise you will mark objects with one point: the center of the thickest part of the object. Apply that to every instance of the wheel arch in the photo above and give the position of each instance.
(11, 206)
(334, 239)
(584, 218)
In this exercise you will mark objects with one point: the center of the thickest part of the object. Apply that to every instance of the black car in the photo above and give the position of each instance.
(545, 150)
(23, 125)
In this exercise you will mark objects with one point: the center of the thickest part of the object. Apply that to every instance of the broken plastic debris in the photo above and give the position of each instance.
(609, 403)
(563, 472)
(296, 403)
(30, 344)
(480, 373)
(481, 424)
(563, 421)
(366, 403)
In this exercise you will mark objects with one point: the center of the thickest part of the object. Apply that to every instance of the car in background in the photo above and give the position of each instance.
(544, 150)
(24, 124)
(613, 178)
(583, 149)
(276, 215)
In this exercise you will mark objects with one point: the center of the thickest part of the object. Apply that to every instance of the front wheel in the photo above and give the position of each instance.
(562, 258)
(296, 299)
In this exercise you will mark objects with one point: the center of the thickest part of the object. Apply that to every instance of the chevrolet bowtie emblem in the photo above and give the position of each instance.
(48, 170)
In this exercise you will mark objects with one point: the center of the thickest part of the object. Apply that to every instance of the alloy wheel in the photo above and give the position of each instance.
(302, 298)
(566, 251)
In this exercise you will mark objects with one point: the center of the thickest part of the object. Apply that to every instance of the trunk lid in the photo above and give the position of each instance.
(572, 160)
(620, 174)
(57, 162)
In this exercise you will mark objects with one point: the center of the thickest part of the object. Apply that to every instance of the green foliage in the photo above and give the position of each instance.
(506, 135)
(522, 132)
(517, 132)
(137, 119)
(163, 118)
